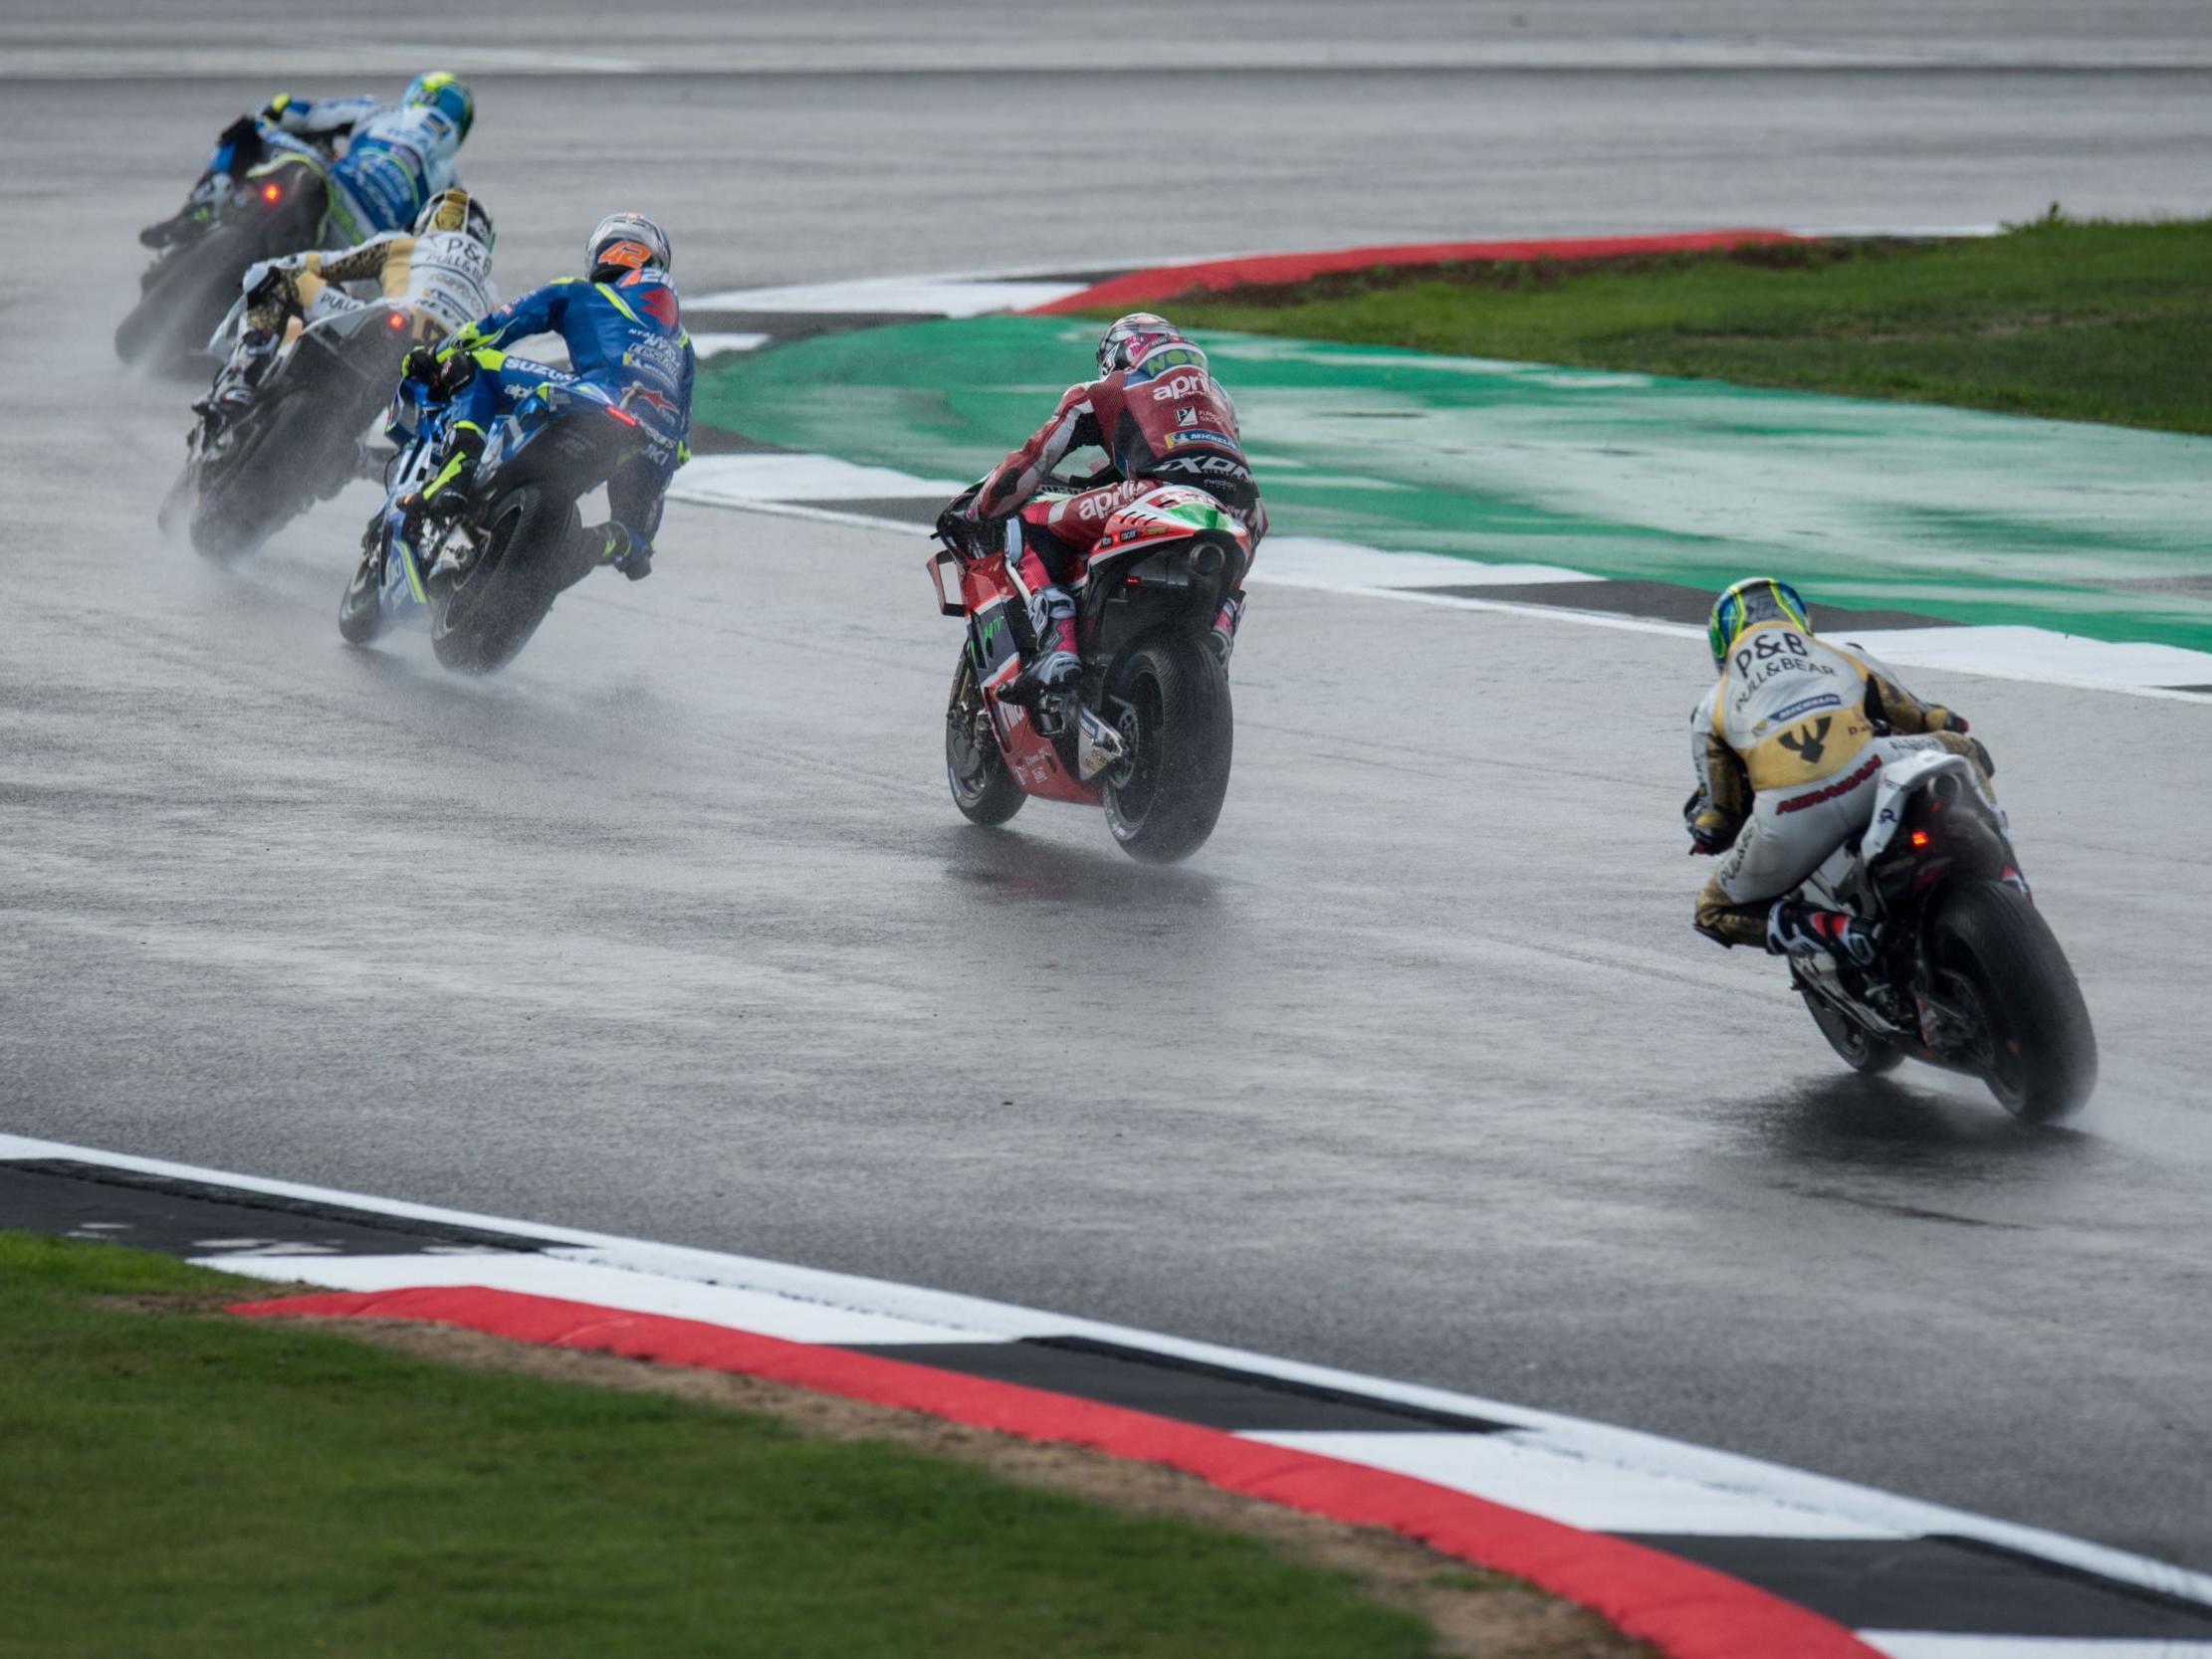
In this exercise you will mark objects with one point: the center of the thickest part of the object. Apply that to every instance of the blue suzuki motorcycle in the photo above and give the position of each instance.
(484, 579)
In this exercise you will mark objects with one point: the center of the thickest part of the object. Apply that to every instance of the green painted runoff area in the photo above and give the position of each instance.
(1979, 518)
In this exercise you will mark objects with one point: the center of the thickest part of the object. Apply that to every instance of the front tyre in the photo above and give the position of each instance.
(1169, 701)
(480, 617)
(984, 790)
(1858, 1048)
(1994, 953)
(360, 613)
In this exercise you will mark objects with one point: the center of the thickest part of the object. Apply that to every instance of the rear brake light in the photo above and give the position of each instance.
(270, 192)
(1920, 837)
(395, 321)
(623, 415)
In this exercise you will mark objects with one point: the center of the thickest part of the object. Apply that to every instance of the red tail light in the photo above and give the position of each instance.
(395, 321)
(1920, 837)
(622, 415)
(270, 192)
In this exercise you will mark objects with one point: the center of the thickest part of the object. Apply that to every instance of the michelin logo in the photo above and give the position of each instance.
(1805, 706)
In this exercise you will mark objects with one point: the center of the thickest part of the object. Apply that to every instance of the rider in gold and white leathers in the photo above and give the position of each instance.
(441, 271)
(1789, 748)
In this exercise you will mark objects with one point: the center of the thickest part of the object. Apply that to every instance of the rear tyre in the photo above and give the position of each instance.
(1995, 954)
(254, 492)
(1170, 700)
(481, 618)
(983, 788)
(167, 329)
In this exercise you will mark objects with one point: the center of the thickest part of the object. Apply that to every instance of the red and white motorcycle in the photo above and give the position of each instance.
(1145, 731)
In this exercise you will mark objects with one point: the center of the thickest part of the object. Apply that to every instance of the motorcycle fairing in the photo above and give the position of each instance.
(1902, 778)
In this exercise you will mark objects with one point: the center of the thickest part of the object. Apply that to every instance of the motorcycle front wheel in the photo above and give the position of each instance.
(1858, 1048)
(1998, 958)
(983, 788)
(1169, 701)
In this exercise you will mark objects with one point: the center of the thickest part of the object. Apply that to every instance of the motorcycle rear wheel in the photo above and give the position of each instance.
(984, 790)
(167, 330)
(1169, 698)
(1996, 955)
(254, 492)
(481, 618)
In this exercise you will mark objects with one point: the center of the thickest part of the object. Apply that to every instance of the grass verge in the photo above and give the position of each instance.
(2090, 320)
(182, 1481)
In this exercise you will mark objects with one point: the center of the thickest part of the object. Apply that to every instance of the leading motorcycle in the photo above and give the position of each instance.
(279, 208)
(1147, 731)
(1969, 976)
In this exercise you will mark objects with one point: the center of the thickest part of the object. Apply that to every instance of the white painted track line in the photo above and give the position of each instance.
(1598, 1497)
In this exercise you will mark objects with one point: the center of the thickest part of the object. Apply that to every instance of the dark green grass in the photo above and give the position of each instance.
(176, 1483)
(2090, 320)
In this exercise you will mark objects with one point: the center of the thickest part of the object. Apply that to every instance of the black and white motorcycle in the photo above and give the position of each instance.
(1969, 975)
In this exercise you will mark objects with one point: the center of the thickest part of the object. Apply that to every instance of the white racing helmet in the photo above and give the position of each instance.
(627, 241)
(1130, 337)
(455, 210)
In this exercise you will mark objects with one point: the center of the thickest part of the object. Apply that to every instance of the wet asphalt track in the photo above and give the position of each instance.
(1417, 1069)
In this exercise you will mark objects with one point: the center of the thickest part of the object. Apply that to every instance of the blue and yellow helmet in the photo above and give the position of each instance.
(1750, 602)
(448, 96)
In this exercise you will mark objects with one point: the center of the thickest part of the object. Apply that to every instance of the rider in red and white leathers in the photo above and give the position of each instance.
(1162, 419)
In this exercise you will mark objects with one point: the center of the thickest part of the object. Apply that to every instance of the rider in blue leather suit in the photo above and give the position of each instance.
(396, 157)
(624, 330)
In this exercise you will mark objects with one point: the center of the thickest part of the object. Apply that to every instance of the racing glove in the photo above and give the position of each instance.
(1708, 835)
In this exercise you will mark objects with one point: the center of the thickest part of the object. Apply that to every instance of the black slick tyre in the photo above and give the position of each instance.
(1994, 953)
(252, 492)
(360, 613)
(1169, 698)
(481, 618)
(1858, 1048)
(984, 790)
(167, 330)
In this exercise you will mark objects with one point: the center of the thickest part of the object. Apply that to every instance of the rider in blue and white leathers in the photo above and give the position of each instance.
(623, 325)
(395, 158)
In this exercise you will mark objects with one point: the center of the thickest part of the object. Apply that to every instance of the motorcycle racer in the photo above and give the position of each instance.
(1789, 748)
(394, 157)
(623, 327)
(1162, 419)
(441, 271)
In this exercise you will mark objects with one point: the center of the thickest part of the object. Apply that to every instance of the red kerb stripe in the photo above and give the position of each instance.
(1166, 282)
(1690, 1611)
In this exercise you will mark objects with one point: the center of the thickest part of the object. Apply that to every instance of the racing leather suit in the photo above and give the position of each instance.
(396, 158)
(442, 276)
(627, 339)
(1163, 420)
(1789, 748)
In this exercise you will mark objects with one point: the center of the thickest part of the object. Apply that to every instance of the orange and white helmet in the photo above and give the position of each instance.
(1130, 337)
(627, 241)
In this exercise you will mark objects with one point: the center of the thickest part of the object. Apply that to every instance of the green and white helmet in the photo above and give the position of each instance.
(1750, 602)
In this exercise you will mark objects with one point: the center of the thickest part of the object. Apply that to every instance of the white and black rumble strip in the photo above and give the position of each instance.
(1913, 1579)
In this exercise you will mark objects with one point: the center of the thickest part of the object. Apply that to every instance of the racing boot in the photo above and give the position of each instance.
(1055, 666)
(446, 496)
(235, 388)
(1796, 929)
(1223, 637)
